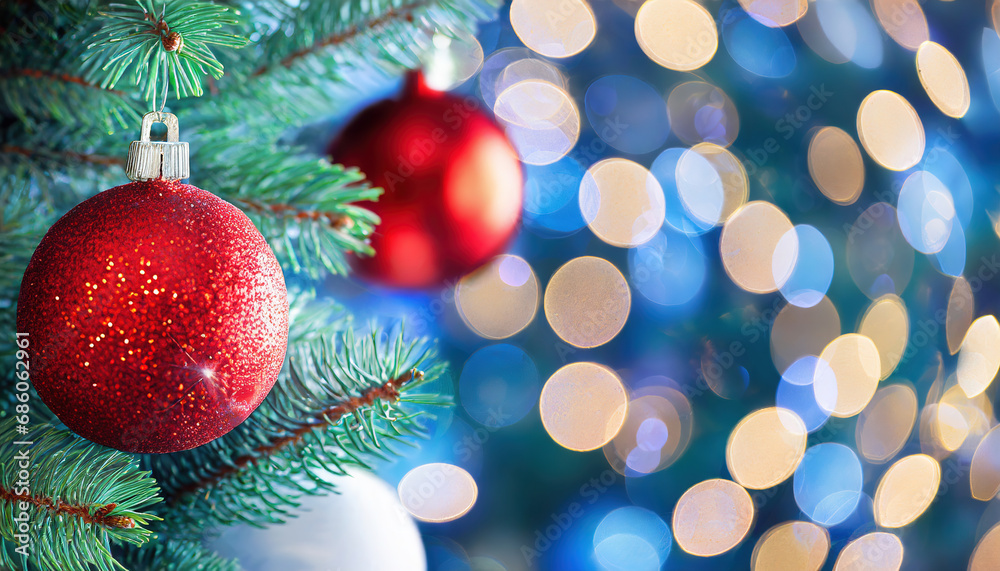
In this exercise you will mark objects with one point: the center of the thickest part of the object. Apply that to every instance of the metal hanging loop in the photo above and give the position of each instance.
(152, 160)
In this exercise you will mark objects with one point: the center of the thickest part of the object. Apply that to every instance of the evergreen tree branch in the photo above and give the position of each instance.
(152, 41)
(331, 407)
(81, 497)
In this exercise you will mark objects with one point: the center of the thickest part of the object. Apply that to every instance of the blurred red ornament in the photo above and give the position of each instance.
(156, 315)
(453, 185)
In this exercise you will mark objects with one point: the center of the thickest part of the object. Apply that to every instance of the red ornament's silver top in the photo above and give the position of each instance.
(151, 160)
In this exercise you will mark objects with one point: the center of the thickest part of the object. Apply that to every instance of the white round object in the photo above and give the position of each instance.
(335, 532)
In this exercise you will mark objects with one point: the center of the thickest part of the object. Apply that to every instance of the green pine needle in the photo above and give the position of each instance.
(133, 44)
(71, 481)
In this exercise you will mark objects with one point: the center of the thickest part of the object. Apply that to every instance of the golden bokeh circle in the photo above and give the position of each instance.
(979, 357)
(906, 490)
(887, 324)
(903, 20)
(984, 472)
(944, 79)
(438, 492)
(765, 447)
(540, 119)
(775, 13)
(890, 130)
(961, 311)
(553, 28)
(499, 299)
(886, 423)
(987, 552)
(583, 406)
(677, 34)
(801, 331)
(836, 165)
(855, 363)
(712, 517)
(877, 551)
(749, 238)
(662, 407)
(622, 202)
(798, 545)
(587, 302)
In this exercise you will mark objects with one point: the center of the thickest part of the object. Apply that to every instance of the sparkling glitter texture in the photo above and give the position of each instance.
(158, 316)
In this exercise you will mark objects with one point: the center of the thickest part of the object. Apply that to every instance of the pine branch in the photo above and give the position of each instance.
(306, 63)
(153, 42)
(174, 555)
(331, 407)
(81, 497)
(40, 77)
(304, 206)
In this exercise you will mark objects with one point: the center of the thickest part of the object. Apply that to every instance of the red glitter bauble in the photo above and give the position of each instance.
(453, 185)
(157, 317)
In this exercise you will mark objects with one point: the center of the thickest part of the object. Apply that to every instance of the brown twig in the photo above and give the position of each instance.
(80, 157)
(44, 73)
(58, 507)
(336, 221)
(387, 391)
(403, 12)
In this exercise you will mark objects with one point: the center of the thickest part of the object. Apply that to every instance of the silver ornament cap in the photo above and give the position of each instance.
(153, 160)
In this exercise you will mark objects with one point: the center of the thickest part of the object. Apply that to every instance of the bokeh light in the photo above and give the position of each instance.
(700, 112)
(886, 423)
(499, 385)
(499, 299)
(551, 198)
(890, 130)
(943, 78)
(984, 471)
(855, 362)
(879, 259)
(798, 545)
(453, 61)
(669, 269)
(438, 492)
(801, 331)
(583, 406)
(587, 301)
(828, 482)
(808, 387)
(877, 551)
(835, 165)
(887, 324)
(842, 31)
(540, 119)
(765, 448)
(748, 247)
(979, 357)
(775, 13)
(711, 183)
(926, 212)
(677, 34)
(622, 202)
(567, 34)
(712, 517)
(806, 251)
(656, 432)
(632, 538)
(987, 551)
(505, 67)
(762, 50)
(960, 313)
(627, 114)
(903, 20)
(906, 490)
